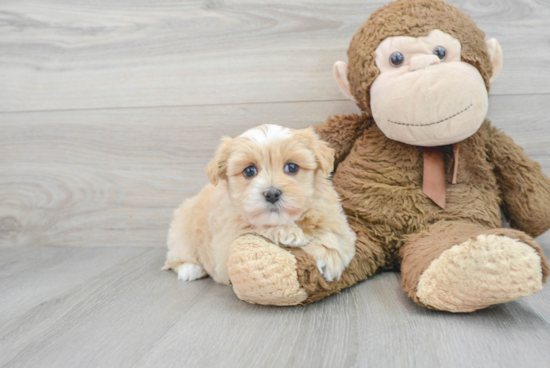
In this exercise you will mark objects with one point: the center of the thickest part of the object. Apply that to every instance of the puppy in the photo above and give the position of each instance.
(271, 181)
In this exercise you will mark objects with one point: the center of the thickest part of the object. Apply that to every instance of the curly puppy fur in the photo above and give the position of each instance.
(305, 212)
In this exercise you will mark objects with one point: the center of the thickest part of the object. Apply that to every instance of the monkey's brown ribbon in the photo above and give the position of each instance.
(433, 180)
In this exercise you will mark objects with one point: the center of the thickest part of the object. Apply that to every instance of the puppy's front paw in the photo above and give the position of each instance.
(190, 272)
(293, 236)
(330, 262)
(290, 236)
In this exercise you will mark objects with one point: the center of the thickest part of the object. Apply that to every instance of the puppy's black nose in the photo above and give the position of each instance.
(272, 195)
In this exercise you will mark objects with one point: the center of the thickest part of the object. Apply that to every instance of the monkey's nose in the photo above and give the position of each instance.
(272, 195)
(424, 61)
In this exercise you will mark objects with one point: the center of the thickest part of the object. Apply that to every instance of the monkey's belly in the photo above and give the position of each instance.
(380, 186)
(387, 213)
(407, 209)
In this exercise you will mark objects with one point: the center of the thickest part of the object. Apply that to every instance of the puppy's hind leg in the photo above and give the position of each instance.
(190, 272)
(183, 240)
(187, 270)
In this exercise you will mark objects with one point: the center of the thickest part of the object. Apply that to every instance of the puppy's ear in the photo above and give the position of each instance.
(217, 168)
(323, 153)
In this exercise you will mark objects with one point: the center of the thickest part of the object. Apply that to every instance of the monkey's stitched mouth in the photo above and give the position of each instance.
(437, 122)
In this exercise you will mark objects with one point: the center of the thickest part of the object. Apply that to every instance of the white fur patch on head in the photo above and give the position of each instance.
(267, 133)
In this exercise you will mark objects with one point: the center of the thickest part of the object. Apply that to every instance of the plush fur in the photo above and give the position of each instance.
(386, 175)
(379, 181)
(306, 212)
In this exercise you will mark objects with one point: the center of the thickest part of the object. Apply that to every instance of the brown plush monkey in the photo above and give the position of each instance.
(420, 70)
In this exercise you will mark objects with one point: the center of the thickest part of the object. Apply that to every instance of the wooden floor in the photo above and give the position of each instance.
(113, 307)
(109, 111)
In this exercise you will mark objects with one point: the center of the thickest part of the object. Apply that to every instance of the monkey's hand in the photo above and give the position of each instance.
(525, 188)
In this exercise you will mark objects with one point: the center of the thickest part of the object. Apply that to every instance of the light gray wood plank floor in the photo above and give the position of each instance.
(114, 307)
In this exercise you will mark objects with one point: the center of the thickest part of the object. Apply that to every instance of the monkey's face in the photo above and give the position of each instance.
(425, 95)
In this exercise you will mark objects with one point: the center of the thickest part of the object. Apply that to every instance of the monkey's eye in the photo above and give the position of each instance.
(397, 59)
(250, 172)
(440, 52)
(291, 168)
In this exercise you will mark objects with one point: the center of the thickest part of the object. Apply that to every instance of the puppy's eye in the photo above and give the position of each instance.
(440, 52)
(397, 59)
(250, 172)
(291, 168)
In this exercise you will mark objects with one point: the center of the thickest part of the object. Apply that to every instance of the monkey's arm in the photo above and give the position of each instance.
(525, 188)
(341, 131)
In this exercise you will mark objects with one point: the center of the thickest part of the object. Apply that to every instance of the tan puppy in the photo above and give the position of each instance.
(271, 181)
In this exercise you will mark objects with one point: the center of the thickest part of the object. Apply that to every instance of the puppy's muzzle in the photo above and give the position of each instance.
(272, 195)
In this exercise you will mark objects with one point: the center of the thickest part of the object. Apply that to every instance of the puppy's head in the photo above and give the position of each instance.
(272, 171)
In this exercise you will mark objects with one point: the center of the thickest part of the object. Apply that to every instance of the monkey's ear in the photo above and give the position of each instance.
(340, 72)
(495, 52)
(217, 168)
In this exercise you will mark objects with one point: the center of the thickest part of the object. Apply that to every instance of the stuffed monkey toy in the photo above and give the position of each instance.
(421, 173)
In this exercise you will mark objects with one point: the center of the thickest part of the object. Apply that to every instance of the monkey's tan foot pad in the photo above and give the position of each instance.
(480, 272)
(263, 273)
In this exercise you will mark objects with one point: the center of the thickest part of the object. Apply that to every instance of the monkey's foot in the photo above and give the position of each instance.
(484, 271)
(263, 273)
